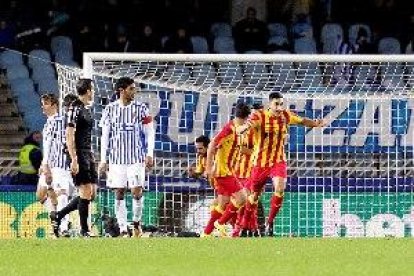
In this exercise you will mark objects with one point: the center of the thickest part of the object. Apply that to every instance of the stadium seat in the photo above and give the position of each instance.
(19, 85)
(331, 31)
(302, 30)
(304, 46)
(200, 45)
(389, 45)
(221, 29)
(43, 72)
(277, 29)
(48, 85)
(18, 71)
(278, 40)
(353, 32)
(224, 45)
(38, 57)
(10, 57)
(61, 43)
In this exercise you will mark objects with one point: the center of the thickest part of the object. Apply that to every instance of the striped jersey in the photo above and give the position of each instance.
(244, 162)
(125, 138)
(270, 135)
(54, 133)
(226, 155)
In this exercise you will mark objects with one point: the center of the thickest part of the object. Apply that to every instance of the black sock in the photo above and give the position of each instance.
(83, 209)
(72, 206)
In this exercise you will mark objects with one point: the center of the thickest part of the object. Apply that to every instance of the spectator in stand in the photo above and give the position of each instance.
(250, 33)
(179, 42)
(147, 41)
(362, 45)
(301, 27)
(30, 158)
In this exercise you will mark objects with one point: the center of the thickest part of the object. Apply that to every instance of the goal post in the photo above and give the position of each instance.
(351, 178)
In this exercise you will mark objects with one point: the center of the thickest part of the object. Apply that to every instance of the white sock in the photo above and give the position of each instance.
(121, 214)
(137, 206)
(62, 202)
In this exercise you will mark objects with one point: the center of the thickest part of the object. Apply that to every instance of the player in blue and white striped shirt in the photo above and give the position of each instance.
(54, 166)
(127, 141)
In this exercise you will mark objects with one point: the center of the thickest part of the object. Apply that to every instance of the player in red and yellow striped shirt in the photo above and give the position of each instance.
(201, 145)
(269, 160)
(222, 156)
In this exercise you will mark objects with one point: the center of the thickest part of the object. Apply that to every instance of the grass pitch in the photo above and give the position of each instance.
(190, 256)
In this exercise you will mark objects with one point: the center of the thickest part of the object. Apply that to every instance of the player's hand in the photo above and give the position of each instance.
(102, 168)
(241, 129)
(149, 162)
(320, 122)
(74, 166)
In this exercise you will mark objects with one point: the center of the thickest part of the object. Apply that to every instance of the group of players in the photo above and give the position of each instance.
(239, 160)
(68, 168)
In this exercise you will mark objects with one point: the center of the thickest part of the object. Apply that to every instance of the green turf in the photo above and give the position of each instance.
(185, 256)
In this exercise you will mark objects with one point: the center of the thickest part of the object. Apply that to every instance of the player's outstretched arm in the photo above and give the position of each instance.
(313, 123)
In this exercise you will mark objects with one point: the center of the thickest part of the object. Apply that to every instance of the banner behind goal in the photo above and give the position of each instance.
(352, 178)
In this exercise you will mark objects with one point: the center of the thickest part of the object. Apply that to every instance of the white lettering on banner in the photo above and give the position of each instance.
(380, 225)
(316, 136)
(407, 140)
(368, 125)
(199, 117)
(296, 105)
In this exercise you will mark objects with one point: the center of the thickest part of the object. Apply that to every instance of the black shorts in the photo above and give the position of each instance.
(87, 170)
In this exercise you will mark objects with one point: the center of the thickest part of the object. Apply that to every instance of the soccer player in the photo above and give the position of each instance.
(123, 122)
(79, 124)
(54, 165)
(269, 160)
(223, 151)
(201, 144)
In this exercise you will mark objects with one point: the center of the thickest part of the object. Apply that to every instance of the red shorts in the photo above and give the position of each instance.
(261, 174)
(245, 182)
(227, 185)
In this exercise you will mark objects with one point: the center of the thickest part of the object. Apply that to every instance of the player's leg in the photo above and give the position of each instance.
(42, 195)
(62, 181)
(237, 200)
(136, 181)
(279, 175)
(117, 181)
(216, 212)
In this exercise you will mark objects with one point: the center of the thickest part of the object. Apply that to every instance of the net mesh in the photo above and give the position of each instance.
(352, 178)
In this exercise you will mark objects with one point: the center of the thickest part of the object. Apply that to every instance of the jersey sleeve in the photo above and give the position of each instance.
(294, 119)
(255, 119)
(221, 136)
(73, 115)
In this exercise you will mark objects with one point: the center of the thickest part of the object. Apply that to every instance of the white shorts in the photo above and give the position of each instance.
(126, 176)
(62, 180)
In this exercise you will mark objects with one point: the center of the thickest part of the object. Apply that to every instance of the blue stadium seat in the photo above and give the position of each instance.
(277, 29)
(221, 29)
(43, 72)
(200, 45)
(62, 43)
(18, 71)
(389, 45)
(19, 86)
(304, 46)
(49, 85)
(331, 30)
(10, 57)
(38, 57)
(224, 45)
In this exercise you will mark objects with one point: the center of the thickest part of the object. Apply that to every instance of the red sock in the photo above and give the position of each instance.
(228, 214)
(240, 215)
(214, 215)
(275, 204)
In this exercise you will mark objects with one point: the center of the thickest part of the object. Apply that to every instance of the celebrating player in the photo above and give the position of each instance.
(123, 122)
(269, 158)
(82, 165)
(223, 151)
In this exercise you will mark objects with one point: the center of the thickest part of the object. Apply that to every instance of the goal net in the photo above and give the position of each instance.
(352, 178)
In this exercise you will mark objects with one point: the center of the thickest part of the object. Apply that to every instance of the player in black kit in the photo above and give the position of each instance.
(79, 125)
